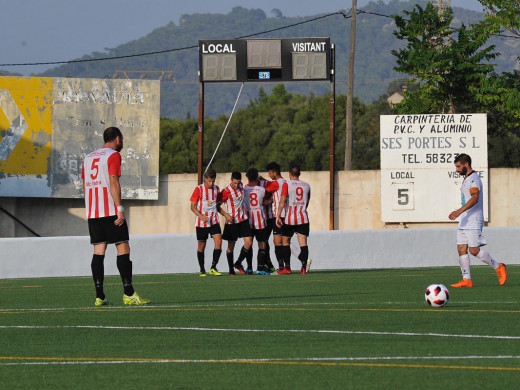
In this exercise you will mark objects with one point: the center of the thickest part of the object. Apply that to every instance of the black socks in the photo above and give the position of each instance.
(98, 274)
(124, 265)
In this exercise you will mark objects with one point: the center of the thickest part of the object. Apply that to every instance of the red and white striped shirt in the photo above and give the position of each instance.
(233, 198)
(254, 199)
(98, 166)
(206, 203)
(298, 194)
(277, 195)
(273, 187)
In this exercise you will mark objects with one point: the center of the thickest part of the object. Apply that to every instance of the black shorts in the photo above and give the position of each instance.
(276, 230)
(232, 231)
(289, 230)
(103, 230)
(271, 224)
(202, 233)
(261, 235)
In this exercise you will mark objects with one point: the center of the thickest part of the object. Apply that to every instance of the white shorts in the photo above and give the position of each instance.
(471, 237)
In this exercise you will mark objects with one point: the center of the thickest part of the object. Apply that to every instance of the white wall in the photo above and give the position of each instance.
(175, 253)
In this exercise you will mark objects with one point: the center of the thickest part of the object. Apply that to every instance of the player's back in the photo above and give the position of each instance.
(97, 168)
(298, 195)
(253, 200)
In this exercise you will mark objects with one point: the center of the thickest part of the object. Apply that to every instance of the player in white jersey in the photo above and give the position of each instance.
(469, 233)
(106, 215)
(237, 224)
(203, 203)
(296, 195)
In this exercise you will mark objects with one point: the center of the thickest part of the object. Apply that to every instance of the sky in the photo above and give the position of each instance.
(62, 30)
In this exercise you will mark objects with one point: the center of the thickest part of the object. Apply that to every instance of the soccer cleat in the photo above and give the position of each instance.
(239, 268)
(303, 271)
(232, 273)
(214, 272)
(463, 283)
(135, 299)
(284, 271)
(262, 272)
(501, 273)
(249, 271)
(308, 266)
(101, 302)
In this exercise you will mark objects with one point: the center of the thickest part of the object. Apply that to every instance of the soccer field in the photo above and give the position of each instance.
(343, 329)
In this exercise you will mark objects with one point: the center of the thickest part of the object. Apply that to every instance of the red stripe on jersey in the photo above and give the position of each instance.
(105, 199)
(90, 203)
(96, 197)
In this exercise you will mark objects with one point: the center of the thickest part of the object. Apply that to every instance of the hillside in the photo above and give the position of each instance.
(179, 99)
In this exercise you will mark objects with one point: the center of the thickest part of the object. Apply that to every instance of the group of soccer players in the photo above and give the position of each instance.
(253, 211)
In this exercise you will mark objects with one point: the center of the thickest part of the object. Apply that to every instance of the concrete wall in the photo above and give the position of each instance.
(175, 253)
(358, 206)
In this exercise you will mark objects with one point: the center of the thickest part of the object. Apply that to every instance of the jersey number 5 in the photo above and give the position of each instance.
(94, 168)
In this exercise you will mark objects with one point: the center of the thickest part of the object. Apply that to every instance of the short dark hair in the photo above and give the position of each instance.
(111, 133)
(273, 166)
(463, 158)
(211, 173)
(294, 170)
(252, 174)
(236, 176)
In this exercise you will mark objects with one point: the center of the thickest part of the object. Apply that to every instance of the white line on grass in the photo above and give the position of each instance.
(234, 330)
(83, 361)
(241, 304)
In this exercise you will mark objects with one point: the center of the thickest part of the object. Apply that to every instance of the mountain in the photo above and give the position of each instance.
(179, 96)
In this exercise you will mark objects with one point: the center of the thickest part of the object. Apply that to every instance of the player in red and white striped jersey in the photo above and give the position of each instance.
(296, 195)
(106, 217)
(203, 203)
(237, 224)
(273, 170)
(254, 201)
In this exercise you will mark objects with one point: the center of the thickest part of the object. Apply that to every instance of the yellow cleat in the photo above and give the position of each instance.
(134, 299)
(202, 274)
(501, 273)
(463, 283)
(101, 302)
(214, 272)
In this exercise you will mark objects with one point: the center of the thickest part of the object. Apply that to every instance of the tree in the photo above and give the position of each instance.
(503, 14)
(444, 62)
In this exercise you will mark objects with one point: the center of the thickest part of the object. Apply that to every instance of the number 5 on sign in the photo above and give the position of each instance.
(402, 196)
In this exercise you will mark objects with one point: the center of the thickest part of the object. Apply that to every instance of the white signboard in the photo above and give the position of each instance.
(418, 178)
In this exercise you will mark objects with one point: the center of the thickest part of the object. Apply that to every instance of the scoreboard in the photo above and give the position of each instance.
(295, 59)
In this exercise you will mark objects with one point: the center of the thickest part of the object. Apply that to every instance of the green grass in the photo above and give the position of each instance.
(326, 330)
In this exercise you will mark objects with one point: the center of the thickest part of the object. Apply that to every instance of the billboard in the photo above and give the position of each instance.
(48, 125)
(418, 178)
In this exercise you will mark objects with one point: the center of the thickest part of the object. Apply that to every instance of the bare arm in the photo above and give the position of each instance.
(194, 210)
(281, 206)
(469, 204)
(115, 191)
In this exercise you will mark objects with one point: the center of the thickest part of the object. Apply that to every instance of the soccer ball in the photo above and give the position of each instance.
(436, 295)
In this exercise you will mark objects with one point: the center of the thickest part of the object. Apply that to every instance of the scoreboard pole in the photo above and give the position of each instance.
(201, 133)
(332, 135)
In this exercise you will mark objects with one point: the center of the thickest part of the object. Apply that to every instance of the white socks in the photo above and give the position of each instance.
(486, 258)
(464, 266)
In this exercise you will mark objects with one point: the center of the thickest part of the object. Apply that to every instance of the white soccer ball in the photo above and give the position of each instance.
(436, 295)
